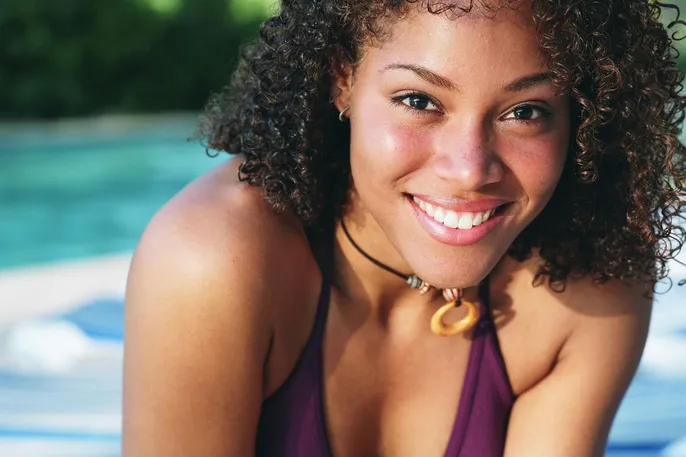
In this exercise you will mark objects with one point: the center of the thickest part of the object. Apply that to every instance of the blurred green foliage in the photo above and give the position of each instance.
(78, 57)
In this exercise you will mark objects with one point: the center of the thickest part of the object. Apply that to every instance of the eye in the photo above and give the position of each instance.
(527, 113)
(416, 101)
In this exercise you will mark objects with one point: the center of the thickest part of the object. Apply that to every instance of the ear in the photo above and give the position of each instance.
(341, 83)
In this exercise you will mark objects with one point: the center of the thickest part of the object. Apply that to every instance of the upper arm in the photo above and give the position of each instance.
(570, 412)
(197, 336)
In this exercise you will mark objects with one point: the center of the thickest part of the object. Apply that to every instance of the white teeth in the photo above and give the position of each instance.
(452, 219)
(439, 215)
(465, 221)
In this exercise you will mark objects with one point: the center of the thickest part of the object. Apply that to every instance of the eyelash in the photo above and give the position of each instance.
(543, 113)
(398, 101)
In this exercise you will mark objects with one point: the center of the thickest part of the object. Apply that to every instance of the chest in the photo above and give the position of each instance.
(368, 395)
(400, 398)
(390, 398)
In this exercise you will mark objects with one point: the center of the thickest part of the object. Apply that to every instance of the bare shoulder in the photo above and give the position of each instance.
(222, 232)
(571, 356)
(539, 326)
(581, 302)
(210, 279)
(609, 322)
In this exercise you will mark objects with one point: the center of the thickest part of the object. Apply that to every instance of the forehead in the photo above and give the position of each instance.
(502, 40)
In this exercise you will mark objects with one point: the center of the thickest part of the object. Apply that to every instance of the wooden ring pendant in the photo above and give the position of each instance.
(440, 328)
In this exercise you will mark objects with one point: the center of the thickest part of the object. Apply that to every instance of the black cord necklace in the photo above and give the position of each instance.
(414, 281)
(452, 296)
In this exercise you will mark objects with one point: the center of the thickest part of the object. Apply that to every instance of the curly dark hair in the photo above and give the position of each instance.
(618, 206)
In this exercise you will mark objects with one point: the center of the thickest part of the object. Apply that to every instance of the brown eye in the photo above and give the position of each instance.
(526, 113)
(418, 102)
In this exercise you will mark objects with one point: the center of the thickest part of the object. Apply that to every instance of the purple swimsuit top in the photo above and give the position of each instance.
(292, 422)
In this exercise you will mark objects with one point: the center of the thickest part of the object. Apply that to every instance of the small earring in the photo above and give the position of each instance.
(341, 115)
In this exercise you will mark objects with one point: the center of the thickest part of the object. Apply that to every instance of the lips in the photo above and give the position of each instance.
(458, 222)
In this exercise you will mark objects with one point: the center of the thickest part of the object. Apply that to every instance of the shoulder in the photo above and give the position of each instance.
(571, 356)
(608, 322)
(219, 233)
(580, 303)
(214, 275)
(539, 327)
(218, 260)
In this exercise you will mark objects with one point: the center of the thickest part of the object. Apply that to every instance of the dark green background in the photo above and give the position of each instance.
(83, 57)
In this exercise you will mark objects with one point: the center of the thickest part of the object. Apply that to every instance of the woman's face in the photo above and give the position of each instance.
(458, 139)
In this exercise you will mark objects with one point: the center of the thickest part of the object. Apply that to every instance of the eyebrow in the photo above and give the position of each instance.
(518, 85)
(424, 73)
(528, 82)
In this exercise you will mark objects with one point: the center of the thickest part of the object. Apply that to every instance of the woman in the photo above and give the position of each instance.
(518, 164)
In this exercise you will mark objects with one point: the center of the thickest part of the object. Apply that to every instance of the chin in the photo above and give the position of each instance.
(450, 273)
(447, 266)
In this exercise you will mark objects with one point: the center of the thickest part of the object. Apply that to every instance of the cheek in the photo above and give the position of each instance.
(384, 151)
(536, 165)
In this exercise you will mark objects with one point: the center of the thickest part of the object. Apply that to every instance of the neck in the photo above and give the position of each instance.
(363, 281)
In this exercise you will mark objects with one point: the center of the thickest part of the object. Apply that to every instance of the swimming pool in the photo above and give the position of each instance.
(81, 189)
(85, 190)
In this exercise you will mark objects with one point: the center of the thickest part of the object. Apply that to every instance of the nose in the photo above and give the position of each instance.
(464, 155)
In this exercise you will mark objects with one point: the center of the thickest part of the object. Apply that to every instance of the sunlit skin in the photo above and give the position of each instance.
(455, 111)
(463, 110)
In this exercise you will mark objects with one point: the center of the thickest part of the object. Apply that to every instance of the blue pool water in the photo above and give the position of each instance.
(85, 190)
(73, 190)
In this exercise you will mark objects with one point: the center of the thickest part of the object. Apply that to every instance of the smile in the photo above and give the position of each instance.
(452, 219)
(458, 223)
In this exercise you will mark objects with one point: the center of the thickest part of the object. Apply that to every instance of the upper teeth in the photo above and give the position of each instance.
(463, 221)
